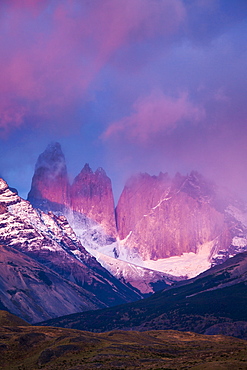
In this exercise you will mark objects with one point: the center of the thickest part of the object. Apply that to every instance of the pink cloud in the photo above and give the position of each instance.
(153, 115)
(31, 5)
(52, 51)
(11, 116)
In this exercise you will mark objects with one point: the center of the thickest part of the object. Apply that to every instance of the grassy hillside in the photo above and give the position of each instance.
(30, 347)
(8, 319)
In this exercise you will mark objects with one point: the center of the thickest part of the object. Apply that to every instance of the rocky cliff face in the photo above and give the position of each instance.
(157, 217)
(160, 218)
(33, 291)
(90, 194)
(140, 195)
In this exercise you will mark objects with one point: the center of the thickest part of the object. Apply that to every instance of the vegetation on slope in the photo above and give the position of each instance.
(30, 347)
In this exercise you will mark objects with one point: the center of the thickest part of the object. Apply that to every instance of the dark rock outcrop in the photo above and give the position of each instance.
(33, 291)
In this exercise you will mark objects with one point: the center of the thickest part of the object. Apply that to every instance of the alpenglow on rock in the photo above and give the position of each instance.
(157, 218)
(90, 194)
(160, 217)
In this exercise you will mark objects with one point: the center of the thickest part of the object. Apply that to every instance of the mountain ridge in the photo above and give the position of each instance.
(90, 193)
(157, 219)
(48, 240)
(215, 299)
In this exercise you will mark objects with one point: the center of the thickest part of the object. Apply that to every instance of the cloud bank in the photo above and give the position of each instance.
(129, 85)
(52, 51)
(153, 115)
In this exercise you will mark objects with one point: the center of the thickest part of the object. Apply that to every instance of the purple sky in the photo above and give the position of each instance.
(128, 85)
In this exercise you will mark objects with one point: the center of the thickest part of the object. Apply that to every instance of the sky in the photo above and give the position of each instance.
(127, 85)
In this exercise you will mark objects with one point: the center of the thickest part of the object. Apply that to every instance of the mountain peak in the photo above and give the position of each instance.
(50, 180)
(101, 172)
(52, 160)
(86, 169)
(91, 194)
(3, 185)
(54, 146)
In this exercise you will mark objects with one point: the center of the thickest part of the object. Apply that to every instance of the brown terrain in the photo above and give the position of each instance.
(28, 347)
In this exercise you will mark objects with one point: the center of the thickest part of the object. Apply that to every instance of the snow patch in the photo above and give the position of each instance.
(238, 214)
(239, 242)
(3, 185)
(161, 201)
(188, 264)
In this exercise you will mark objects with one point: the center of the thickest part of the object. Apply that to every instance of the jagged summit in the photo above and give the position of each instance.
(52, 161)
(100, 172)
(86, 169)
(144, 176)
(157, 218)
(53, 146)
(90, 193)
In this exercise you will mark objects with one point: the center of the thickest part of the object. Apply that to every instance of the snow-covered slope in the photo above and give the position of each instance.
(149, 275)
(146, 280)
(121, 264)
(49, 240)
(127, 263)
(105, 249)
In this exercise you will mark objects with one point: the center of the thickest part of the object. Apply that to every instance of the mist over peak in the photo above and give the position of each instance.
(129, 86)
(52, 160)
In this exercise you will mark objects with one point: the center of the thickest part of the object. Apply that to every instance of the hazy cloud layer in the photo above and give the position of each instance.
(128, 85)
(52, 51)
(152, 115)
